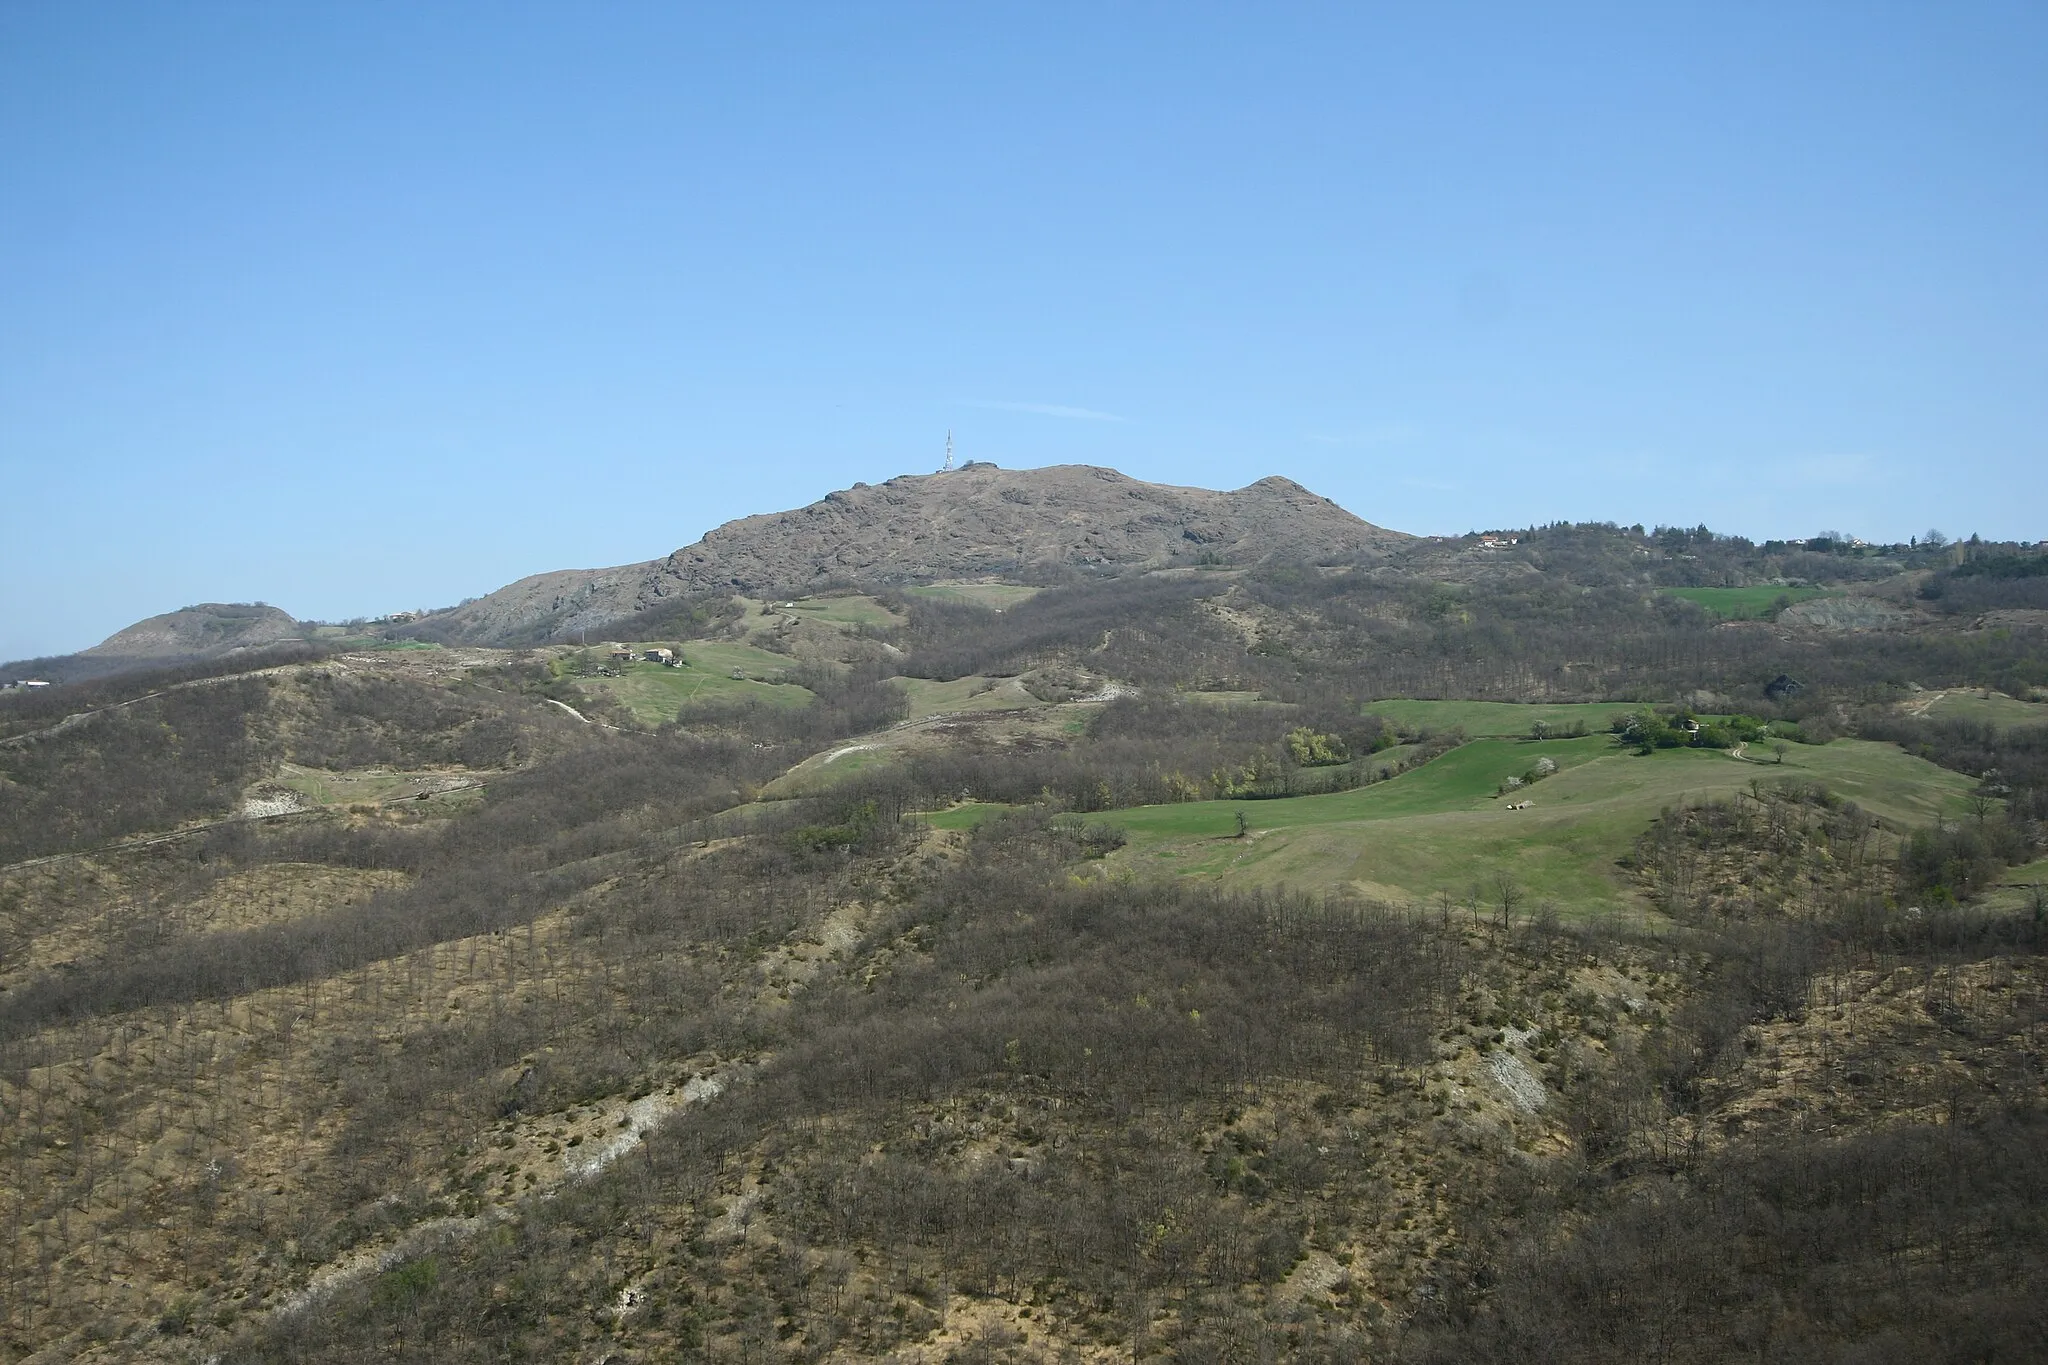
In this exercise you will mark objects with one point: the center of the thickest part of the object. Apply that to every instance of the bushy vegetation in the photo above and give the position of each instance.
(1645, 731)
(1161, 747)
(1907, 1244)
(185, 753)
(1079, 1077)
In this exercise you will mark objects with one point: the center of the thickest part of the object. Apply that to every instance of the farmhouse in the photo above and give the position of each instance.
(659, 656)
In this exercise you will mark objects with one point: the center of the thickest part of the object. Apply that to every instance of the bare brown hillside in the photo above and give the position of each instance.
(977, 520)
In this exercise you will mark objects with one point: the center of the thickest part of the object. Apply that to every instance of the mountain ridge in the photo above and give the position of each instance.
(973, 521)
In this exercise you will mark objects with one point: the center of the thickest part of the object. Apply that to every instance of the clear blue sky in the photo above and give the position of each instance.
(356, 307)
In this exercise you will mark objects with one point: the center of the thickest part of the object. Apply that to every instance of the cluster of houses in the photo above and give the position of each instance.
(621, 654)
(667, 658)
(1499, 542)
(22, 683)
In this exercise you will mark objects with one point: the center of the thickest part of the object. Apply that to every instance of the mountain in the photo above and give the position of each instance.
(1189, 966)
(187, 636)
(197, 631)
(971, 521)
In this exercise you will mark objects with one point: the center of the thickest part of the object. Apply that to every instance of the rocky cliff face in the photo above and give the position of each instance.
(916, 528)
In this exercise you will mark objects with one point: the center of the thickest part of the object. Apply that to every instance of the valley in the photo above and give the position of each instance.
(1408, 956)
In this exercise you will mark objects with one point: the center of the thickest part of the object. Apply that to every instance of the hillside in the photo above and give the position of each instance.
(917, 528)
(198, 631)
(1418, 961)
(188, 636)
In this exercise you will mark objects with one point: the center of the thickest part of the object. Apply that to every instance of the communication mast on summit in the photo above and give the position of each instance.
(949, 453)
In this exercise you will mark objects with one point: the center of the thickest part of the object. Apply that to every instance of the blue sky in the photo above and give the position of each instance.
(357, 307)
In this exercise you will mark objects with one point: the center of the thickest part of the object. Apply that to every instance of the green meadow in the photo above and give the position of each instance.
(654, 693)
(841, 611)
(971, 693)
(1993, 707)
(723, 656)
(1441, 827)
(1744, 604)
(1483, 718)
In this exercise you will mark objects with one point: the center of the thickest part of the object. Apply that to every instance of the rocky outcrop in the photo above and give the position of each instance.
(917, 528)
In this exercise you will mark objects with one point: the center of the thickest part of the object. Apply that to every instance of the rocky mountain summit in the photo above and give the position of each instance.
(918, 528)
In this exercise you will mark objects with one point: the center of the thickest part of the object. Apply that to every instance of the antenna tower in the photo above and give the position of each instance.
(949, 453)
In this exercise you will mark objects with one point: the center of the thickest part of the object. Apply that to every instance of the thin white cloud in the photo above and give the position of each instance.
(1054, 410)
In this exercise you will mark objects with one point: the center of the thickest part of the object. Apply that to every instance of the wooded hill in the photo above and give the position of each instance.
(1121, 974)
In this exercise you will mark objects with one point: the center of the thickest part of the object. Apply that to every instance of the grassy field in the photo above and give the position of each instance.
(939, 714)
(826, 769)
(1744, 604)
(966, 815)
(997, 595)
(1483, 718)
(324, 788)
(2018, 887)
(1441, 827)
(724, 656)
(972, 693)
(1996, 708)
(654, 694)
(843, 611)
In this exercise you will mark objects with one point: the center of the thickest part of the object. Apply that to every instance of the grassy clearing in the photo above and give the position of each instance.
(842, 611)
(2017, 889)
(1461, 779)
(1745, 604)
(823, 771)
(1440, 827)
(996, 595)
(1993, 707)
(325, 788)
(966, 815)
(1002, 714)
(2030, 874)
(726, 655)
(1483, 718)
(654, 694)
(972, 693)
